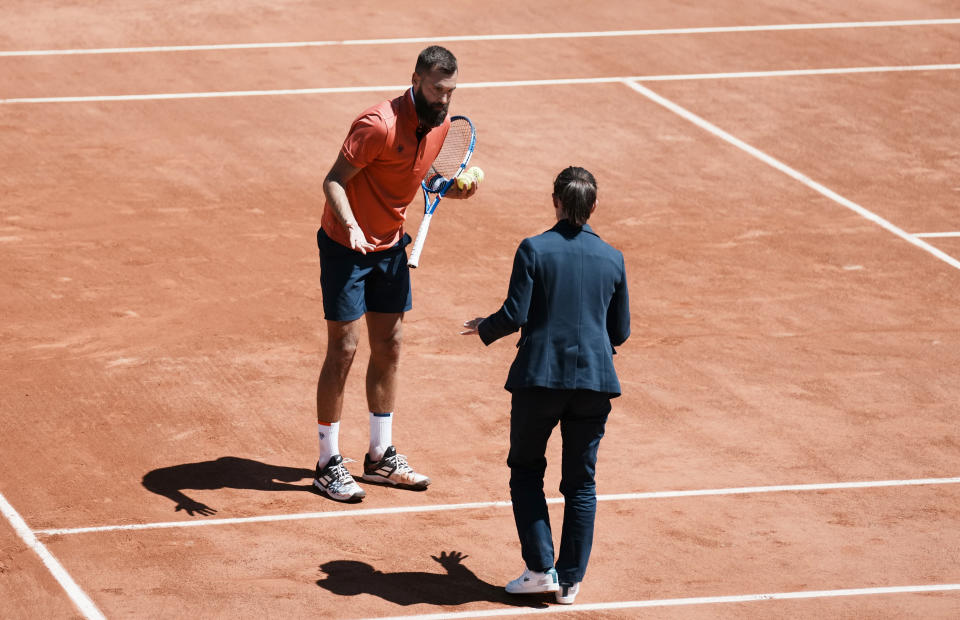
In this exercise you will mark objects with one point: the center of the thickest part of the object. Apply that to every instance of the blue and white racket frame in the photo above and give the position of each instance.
(429, 206)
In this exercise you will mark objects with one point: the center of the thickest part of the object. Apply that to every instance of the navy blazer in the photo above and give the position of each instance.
(568, 297)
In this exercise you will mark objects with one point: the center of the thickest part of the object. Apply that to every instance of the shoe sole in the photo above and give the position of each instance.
(386, 482)
(542, 589)
(353, 499)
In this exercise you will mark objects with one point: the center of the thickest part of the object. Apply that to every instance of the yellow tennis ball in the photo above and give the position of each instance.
(477, 174)
(465, 180)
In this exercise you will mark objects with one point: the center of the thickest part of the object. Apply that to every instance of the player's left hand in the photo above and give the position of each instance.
(458, 193)
(472, 326)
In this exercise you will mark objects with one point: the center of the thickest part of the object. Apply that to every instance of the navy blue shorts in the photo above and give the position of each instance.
(354, 284)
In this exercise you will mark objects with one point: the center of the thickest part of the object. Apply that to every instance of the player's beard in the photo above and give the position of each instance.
(429, 115)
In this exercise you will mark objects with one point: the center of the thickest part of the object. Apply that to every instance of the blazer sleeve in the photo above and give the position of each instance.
(618, 314)
(513, 314)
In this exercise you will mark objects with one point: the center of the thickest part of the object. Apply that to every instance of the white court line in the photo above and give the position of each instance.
(77, 595)
(515, 83)
(674, 602)
(782, 167)
(490, 37)
(364, 512)
(210, 95)
(937, 234)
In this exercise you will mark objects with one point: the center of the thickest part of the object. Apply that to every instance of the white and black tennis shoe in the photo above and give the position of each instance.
(394, 470)
(335, 481)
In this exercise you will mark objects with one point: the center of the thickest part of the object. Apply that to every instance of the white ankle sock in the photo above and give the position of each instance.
(381, 434)
(329, 441)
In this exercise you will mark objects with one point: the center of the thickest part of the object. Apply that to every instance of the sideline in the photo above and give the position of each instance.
(77, 595)
(799, 176)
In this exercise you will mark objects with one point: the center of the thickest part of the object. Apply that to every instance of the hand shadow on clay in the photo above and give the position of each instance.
(457, 587)
(227, 472)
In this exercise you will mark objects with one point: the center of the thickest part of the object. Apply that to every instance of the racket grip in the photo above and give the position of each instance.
(417, 248)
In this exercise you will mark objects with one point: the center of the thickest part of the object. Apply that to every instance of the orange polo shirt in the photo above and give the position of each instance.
(383, 143)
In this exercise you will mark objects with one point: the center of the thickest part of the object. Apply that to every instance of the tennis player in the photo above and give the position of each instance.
(363, 265)
(568, 297)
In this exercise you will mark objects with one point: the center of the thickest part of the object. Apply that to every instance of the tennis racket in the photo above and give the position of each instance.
(450, 162)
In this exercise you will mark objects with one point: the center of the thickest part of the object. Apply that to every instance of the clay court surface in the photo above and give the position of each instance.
(786, 445)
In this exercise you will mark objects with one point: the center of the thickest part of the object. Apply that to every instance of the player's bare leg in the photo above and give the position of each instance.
(342, 338)
(386, 334)
(332, 478)
(382, 463)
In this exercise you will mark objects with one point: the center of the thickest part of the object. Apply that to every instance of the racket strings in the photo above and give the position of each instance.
(454, 151)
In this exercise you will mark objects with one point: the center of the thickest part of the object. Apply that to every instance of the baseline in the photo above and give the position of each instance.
(489, 37)
(830, 486)
(793, 173)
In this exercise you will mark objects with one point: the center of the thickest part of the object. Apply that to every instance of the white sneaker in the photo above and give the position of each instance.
(393, 469)
(531, 582)
(568, 592)
(335, 481)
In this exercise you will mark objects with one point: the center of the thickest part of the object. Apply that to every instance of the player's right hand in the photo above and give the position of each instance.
(358, 241)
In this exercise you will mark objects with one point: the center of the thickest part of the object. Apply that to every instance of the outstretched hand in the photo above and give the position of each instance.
(195, 507)
(450, 561)
(471, 326)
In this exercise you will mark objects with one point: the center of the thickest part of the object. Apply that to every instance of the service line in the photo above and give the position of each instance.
(507, 84)
(366, 512)
(489, 37)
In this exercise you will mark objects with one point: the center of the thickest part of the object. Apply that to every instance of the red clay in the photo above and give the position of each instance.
(162, 310)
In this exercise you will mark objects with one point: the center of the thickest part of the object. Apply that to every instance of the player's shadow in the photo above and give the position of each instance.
(457, 587)
(227, 472)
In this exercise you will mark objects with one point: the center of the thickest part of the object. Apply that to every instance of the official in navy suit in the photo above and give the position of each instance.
(568, 297)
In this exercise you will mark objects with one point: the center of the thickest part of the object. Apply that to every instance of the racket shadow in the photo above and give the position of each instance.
(458, 586)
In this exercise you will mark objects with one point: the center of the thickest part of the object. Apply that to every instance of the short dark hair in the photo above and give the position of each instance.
(576, 189)
(436, 57)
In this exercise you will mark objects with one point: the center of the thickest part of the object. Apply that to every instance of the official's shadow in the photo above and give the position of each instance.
(457, 587)
(227, 472)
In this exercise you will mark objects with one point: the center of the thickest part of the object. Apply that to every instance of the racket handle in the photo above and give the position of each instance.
(417, 248)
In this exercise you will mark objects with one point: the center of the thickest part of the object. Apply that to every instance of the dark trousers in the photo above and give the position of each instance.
(582, 415)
